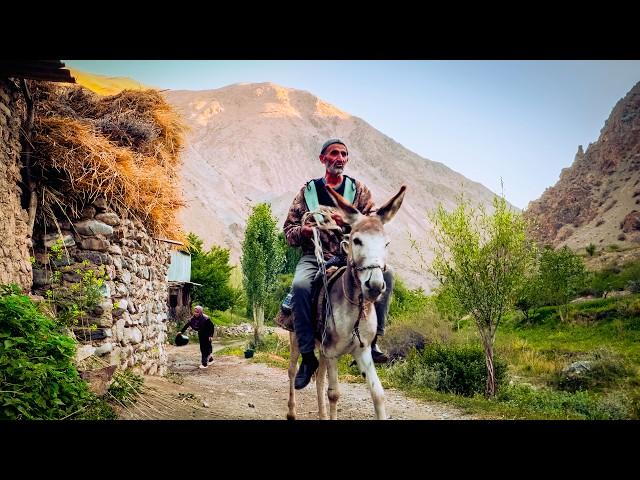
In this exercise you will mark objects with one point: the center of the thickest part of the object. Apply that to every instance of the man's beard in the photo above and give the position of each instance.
(333, 170)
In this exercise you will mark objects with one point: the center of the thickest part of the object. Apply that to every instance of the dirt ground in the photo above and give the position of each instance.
(236, 388)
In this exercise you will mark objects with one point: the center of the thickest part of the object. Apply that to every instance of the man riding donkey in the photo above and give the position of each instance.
(334, 155)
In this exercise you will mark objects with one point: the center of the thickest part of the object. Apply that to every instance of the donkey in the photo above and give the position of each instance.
(352, 327)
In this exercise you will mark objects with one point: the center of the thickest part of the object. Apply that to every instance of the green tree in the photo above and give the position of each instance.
(528, 297)
(482, 259)
(562, 275)
(292, 255)
(447, 305)
(262, 261)
(212, 270)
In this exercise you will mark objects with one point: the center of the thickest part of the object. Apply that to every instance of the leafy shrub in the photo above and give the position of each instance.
(73, 302)
(37, 377)
(415, 330)
(272, 343)
(606, 369)
(633, 286)
(449, 368)
(614, 278)
(405, 300)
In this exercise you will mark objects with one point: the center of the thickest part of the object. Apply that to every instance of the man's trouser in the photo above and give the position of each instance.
(301, 286)
(205, 348)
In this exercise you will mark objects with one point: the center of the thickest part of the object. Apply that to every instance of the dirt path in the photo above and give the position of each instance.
(236, 388)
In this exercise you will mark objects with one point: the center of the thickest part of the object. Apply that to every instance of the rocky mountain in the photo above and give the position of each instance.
(250, 143)
(597, 199)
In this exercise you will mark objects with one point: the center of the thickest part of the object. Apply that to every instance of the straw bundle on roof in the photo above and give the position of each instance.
(124, 147)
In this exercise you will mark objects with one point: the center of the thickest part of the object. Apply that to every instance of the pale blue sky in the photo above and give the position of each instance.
(519, 120)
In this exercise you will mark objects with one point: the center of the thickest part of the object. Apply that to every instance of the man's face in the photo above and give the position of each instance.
(197, 313)
(335, 158)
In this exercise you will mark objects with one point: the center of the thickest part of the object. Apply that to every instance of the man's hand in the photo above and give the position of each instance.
(306, 232)
(338, 219)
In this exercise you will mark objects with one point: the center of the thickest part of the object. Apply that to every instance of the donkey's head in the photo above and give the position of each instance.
(368, 242)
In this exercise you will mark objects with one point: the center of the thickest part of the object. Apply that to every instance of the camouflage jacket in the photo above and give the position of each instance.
(330, 240)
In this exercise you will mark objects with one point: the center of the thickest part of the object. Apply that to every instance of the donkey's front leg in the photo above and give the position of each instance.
(333, 392)
(321, 375)
(294, 353)
(368, 371)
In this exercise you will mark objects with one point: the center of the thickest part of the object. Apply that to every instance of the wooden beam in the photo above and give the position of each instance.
(52, 76)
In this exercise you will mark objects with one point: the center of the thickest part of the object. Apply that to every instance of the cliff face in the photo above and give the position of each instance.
(597, 199)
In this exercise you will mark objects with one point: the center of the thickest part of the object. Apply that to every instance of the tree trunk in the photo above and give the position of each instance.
(258, 322)
(490, 390)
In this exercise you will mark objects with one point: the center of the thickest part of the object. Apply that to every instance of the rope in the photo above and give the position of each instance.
(317, 243)
(329, 224)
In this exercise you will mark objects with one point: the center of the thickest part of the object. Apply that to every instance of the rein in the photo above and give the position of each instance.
(363, 306)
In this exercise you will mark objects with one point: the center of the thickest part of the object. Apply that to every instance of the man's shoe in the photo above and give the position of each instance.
(306, 371)
(378, 356)
(210, 359)
(203, 366)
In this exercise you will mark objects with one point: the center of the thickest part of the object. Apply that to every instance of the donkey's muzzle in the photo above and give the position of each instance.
(373, 291)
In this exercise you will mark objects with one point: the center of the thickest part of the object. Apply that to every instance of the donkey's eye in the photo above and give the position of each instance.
(357, 241)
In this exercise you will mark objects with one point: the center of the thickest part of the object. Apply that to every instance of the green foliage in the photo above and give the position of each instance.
(578, 405)
(612, 278)
(590, 249)
(125, 387)
(447, 305)
(292, 255)
(212, 270)
(449, 368)
(98, 409)
(482, 261)
(607, 369)
(276, 296)
(37, 377)
(562, 275)
(262, 260)
(528, 296)
(271, 343)
(415, 330)
(72, 302)
(405, 300)
(57, 249)
(262, 255)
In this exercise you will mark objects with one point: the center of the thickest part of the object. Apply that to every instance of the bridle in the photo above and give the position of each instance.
(363, 306)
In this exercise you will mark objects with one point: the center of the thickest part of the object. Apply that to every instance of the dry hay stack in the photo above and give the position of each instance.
(124, 147)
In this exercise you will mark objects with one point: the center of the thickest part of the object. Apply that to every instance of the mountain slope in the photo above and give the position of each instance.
(597, 199)
(251, 143)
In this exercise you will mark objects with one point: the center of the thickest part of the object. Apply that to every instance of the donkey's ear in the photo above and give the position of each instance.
(348, 212)
(389, 209)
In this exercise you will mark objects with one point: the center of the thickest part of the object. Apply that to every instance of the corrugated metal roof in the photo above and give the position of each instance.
(180, 267)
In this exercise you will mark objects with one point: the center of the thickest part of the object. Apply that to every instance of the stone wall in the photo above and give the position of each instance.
(15, 266)
(128, 328)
